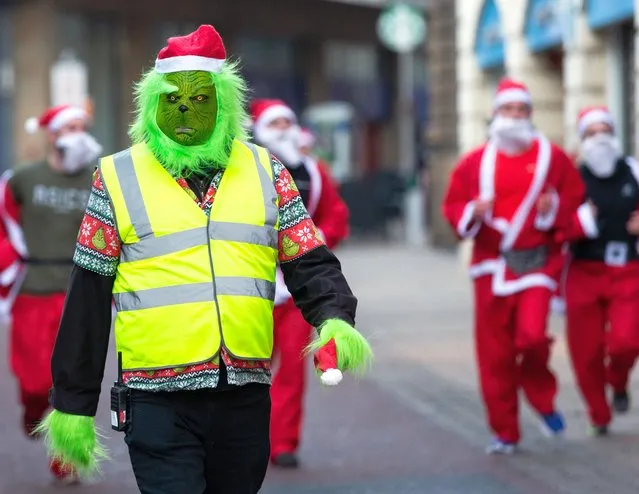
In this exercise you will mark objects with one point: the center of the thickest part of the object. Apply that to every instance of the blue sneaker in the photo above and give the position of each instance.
(499, 447)
(553, 424)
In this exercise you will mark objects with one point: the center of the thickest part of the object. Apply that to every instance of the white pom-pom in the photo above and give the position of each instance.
(32, 125)
(332, 377)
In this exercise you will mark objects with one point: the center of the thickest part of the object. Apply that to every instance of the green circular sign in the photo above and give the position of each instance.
(401, 28)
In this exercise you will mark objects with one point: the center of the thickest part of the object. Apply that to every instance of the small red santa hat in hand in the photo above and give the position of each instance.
(264, 111)
(55, 118)
(203, 50)
(325, 360)
(511, 91)
(594, 115)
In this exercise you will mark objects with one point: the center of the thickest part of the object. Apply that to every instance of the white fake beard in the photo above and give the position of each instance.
(78, 150)
(601, 153)
(512, 134)
(284, 144)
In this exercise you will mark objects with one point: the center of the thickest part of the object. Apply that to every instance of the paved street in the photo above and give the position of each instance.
(413, 425)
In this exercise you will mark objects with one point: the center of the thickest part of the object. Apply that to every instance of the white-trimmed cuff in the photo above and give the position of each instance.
(587, 220)
(468, 226)
(545, 222)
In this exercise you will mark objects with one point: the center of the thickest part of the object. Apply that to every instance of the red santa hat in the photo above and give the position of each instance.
(511, 91)
(203, 49)
(594, 115)
(264, 111)
(55, 118)
(307, 139)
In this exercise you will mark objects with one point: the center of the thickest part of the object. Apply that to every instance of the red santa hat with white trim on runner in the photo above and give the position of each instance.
(511, 91)
(203, 50)
(594, 115)
(264, 111)
(55, 118)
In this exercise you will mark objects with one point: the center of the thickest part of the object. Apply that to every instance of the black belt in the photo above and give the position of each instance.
(597, 252)
(526, 260)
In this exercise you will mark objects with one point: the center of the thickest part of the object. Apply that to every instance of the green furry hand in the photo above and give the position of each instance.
(354, 354)
(72, 440)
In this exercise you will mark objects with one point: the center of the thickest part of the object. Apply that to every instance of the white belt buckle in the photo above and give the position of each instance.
(616, 254)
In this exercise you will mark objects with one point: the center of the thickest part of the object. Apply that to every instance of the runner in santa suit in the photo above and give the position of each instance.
(275, 127)
(510, 195)
(41, 207)
(602, 285)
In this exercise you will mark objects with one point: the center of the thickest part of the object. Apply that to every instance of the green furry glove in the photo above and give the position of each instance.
(72, 440)
(340, 347)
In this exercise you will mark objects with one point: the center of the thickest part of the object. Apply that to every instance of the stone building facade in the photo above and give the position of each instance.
(570, 53)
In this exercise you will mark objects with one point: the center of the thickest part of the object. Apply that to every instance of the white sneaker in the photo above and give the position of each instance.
(499, 447)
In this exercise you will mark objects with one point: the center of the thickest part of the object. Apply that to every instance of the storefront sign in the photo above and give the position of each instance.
(401, 28)
(602, 13)
(489, 41)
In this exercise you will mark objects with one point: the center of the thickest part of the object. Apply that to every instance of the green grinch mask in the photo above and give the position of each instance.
(189, 119)
(188, 114)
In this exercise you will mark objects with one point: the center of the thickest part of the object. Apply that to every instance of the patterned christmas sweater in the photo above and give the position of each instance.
(98, 250)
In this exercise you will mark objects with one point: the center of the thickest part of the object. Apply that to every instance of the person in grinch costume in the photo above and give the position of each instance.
(184, 231)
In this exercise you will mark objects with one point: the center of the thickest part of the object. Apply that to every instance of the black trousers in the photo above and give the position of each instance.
(200, 442)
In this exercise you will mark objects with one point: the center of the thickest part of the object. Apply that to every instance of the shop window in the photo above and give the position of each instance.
(266, 55)
(271, 68)
(352, 62)
(355, 76)
(6, 92)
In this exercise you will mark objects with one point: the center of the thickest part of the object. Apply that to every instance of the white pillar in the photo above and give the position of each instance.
(613, 43)
(544, 81)
(585, 68)
(474, 89)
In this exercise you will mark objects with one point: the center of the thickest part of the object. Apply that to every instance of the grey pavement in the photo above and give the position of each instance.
(414, 424)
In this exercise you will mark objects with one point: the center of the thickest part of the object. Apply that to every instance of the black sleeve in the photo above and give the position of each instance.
(79, 356)
(319, 288)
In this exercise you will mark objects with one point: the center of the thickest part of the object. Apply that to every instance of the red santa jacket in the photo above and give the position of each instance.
(12, 247)
(329, 213)
(514, 184)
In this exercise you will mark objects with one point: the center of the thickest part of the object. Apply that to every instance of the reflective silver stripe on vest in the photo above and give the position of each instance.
(270, 195)
(132, 194)
(152, 246)
(175, 242)
(195, 292)
(240, 232)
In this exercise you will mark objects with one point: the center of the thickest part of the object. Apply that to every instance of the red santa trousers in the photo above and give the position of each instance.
(513, 350)
(602, 316)
(292, 335)
(35, 321)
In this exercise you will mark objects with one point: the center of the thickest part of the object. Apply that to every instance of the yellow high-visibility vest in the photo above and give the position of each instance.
(187, 283)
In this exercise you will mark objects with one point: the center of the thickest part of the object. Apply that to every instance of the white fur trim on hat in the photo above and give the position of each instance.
(595, 117)
(332, 377)
(186, 63)
(65, 116)
(274, 112)
(512, 96)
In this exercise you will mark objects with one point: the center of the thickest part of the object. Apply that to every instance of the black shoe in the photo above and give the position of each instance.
(598, 430)
(621, 402)
(286, 460)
